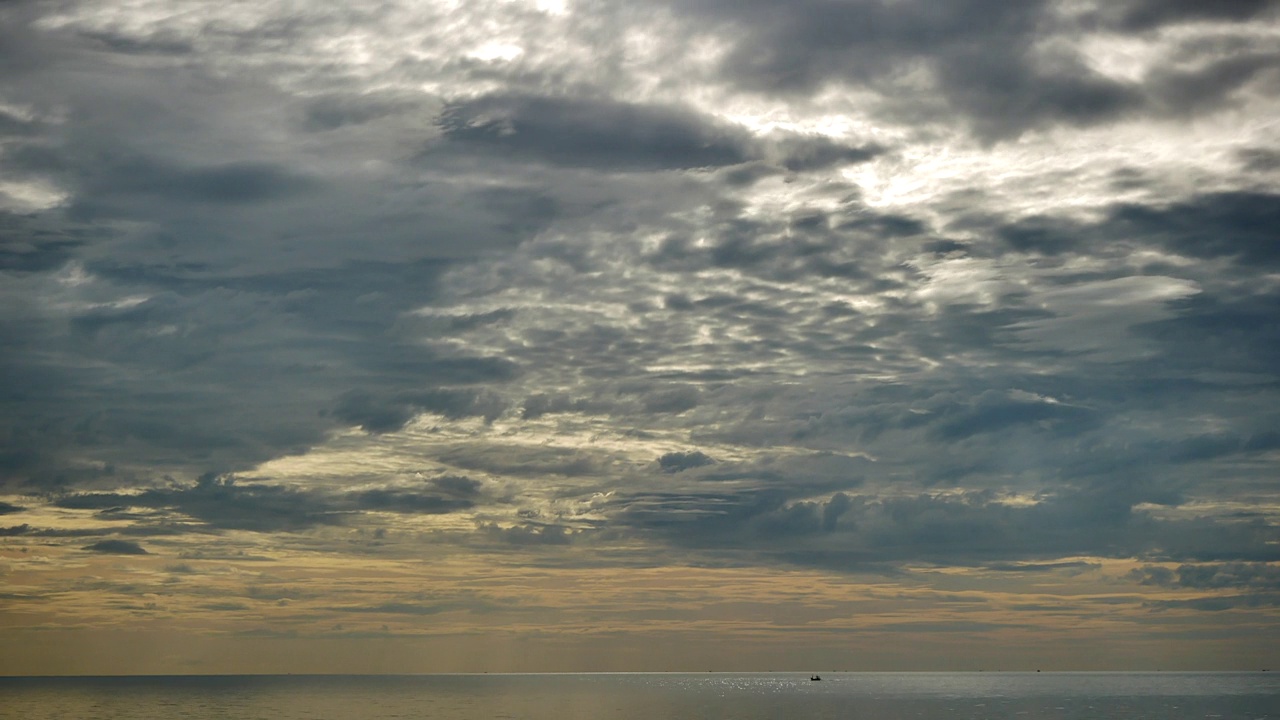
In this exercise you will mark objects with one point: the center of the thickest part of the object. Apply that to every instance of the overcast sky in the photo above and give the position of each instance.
(686, 334)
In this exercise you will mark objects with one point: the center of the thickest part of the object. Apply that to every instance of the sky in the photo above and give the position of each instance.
(543, 335)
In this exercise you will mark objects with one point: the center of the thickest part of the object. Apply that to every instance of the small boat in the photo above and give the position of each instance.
(814, 678)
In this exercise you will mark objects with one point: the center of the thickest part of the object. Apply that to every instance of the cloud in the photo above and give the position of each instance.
(1237, 225)
(222, 184)
(675, 462)
(409, 502)
(991, 412)
(222, 503)
(33, 244)
(840, 287)
(1150, 14)
(579, 132)
(1255, 577)
(117, 547)
(529, 534)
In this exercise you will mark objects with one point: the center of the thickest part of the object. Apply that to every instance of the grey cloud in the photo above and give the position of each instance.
(456, 485)
(267, 340)
(109, 181)
(1070, 566)
(409, 502)
(522, 461)
(332, 112)
(231, 183)
(529, 534)
(674, 400)
(839, 504)
(8, 508)
(1005, 88)
(540, 404)
(360, 408)
(382, 415)
(117, 547)
(1150, 14)
(1259, 159)
(14, 126)
(675, 462)
(1213, 576)
(579, 132)
(993, 411)
(130, 45)
(801, 153)
(994, 63)
(30, 243)
(1210, 86)
(861, 246)
(1220, 603)
(1241, 225)
(1236, 224)
(1010, 92)
(971, 528)
(405, 608)
(222, 503)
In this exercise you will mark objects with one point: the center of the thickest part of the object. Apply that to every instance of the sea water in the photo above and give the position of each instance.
(655, 696)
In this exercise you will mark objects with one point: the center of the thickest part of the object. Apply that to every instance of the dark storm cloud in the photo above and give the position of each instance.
(7, 508)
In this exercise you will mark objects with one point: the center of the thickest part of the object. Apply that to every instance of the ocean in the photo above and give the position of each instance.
(653, 696)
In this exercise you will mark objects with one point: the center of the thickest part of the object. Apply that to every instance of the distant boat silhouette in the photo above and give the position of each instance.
(815, 678)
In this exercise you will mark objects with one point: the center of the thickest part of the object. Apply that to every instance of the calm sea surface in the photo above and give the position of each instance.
(641, 696)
